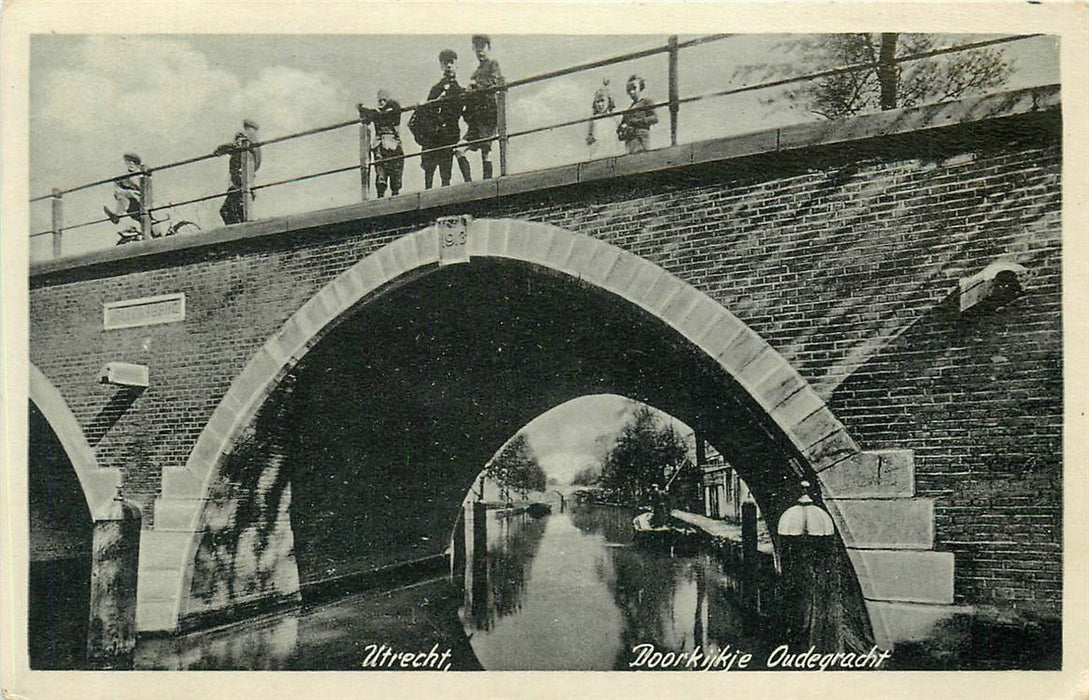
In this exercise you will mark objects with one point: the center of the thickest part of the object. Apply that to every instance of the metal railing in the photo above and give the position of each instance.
(366, 164)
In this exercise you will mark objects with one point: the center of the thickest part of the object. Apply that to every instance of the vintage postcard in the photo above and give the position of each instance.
(730, 341)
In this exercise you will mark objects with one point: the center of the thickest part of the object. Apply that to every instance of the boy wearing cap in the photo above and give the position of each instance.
(245, 141)
(481, 109)
(441, 122)
(634, 129)
(127, 191)
(389, 164)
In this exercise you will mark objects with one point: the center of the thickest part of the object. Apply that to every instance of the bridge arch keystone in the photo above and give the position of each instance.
(772, 383)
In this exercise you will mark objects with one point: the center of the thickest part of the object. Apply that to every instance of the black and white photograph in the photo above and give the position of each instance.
(509, 342)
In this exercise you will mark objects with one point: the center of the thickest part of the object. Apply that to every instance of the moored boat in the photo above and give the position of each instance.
(671, 535)
(538, 510)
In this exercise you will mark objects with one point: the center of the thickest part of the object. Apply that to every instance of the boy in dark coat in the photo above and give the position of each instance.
(245, 141)
(438, 125)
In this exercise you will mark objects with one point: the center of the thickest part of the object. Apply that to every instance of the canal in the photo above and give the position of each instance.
(565, 591)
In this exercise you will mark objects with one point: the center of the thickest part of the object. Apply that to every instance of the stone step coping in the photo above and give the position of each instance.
(890, 523)
(794, 137)
(895, 622)
(871, 475)
(896, 575)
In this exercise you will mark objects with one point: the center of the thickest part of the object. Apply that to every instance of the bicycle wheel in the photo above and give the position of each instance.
(183, 226)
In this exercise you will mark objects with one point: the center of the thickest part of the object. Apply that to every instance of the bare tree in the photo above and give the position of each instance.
(886, 80)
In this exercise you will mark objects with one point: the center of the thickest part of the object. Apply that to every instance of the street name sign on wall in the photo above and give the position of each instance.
(145, 311)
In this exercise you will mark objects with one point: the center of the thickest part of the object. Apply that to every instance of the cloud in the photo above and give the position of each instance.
(166, 100)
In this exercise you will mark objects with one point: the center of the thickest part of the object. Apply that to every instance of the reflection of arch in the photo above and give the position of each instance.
(769, 381)
(99, 484)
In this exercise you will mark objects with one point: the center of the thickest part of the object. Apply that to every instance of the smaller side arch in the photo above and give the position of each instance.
(99, 484)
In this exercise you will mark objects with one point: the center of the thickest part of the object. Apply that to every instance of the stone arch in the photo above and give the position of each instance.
(99, 483)
(771, 382)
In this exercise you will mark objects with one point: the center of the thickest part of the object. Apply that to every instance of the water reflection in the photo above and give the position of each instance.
(567, 592)
(570, 592)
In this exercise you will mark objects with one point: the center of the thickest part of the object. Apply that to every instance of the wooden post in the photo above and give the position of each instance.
(145, 205)
(247, 183)
(365, 158)
(749, 565)
(58, 221)
(111, 633)
(674, 91)
(501, 115)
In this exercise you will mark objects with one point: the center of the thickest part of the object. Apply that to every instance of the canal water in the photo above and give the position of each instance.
(565, 591)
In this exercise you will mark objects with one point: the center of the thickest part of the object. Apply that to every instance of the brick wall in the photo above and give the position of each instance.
(844, 258)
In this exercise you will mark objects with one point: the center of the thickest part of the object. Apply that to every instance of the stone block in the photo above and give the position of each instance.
(497, 238)
(658, 294)
(734, 147)
(600, 169)
(741, 351)
(799, 406)
(100, 485)
(156, 615)
(899, 523)
(681, 304)
(699, 318)
(163, 550)
(904, 576)
(623, 274)
(720, 335)
(830, 450)
(815, 427)
(173, 514)
(426, 243)
(878, 474)
(454, 194)
(539, 180)
(650, 161)
(539, 243)
(908, 622)
(180, 482)
(778, 385)
(158, 584)
(757, 369)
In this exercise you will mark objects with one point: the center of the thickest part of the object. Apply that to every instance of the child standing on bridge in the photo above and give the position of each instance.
(128, 191)
(245, 141)
(389, 162)
(481, 107)
(634, 129)
(437, 126)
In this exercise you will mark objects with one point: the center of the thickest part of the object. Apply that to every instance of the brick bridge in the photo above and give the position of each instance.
(332, 382)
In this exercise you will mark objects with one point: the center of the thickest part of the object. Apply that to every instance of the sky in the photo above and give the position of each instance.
(170, 97)
(579, 433)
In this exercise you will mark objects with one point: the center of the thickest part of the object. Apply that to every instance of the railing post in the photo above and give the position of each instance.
(145, 205)
(58, 221)
(364, 157)
(674, 91)
(247, 183)
(501, 118)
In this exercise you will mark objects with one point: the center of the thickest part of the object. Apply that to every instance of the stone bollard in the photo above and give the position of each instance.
(111, 632)
(813, 602)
